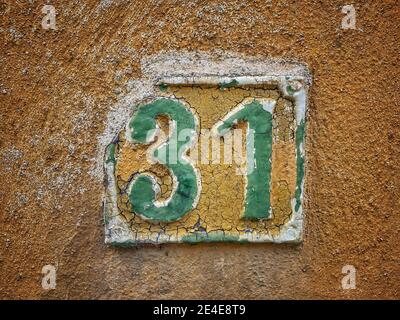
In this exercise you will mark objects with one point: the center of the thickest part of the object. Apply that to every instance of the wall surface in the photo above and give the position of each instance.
(58, 87)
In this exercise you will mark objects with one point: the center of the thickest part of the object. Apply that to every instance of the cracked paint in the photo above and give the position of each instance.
(217, 217)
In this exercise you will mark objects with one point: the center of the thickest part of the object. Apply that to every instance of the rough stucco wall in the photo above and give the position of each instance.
(58, 86)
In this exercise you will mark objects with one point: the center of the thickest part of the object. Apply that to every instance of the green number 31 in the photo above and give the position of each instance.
(142, 190)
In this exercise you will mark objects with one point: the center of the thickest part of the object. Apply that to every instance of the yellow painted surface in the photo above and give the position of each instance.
(221, 201)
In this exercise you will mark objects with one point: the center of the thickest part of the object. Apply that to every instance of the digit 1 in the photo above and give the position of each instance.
(257, 113)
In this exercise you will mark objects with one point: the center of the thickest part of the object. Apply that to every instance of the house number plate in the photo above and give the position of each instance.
(210, 160)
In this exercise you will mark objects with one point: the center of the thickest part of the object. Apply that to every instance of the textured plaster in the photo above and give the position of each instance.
(64, 94)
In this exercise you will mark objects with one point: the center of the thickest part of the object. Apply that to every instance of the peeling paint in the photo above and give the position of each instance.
(223, 191)
(230, 84)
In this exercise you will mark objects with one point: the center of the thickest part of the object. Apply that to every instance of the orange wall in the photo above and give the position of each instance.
(57, 87)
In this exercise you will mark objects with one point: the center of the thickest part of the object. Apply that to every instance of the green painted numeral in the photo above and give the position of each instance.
(258, 115)
(171, 154)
